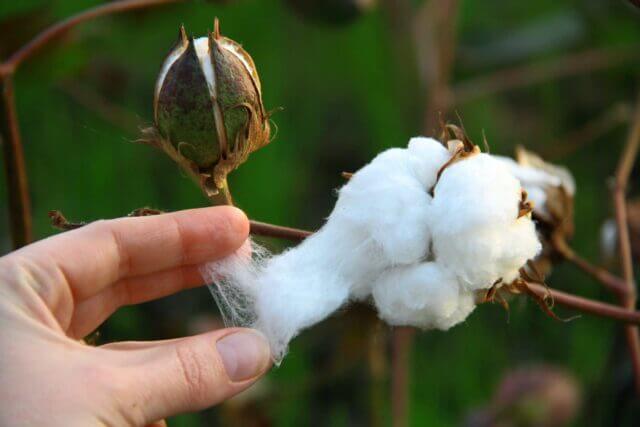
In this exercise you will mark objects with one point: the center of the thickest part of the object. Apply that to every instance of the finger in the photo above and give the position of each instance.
(192, 373)
(138, 345)
(91, 312)
(99, 254)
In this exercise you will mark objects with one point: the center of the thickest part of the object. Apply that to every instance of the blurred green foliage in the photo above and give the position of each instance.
(346, 96)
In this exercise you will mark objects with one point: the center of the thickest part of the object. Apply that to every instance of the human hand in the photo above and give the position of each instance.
(58, 290)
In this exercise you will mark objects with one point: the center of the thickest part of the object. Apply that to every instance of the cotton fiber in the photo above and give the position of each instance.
(417, 231)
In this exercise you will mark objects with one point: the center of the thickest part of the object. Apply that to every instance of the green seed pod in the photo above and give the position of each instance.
(208, 104)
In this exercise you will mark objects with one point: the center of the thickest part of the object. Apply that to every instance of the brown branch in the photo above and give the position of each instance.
(257, 228)
(565, 299)
(526, 75)
(438, 95)
(585, 305)
(14, 166)
(401, 346)
(60, 28)
(625, 165)
(59, 221)
(269, 230)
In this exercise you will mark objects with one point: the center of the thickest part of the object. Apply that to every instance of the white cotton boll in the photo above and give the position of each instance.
(376, 241)
(480, 257)
(386, 203)
(474, 223)
(536, 176)
(393, 219)
(427, 157)
(474, 192)
(527, 175)
(423, 295)
(299, 288)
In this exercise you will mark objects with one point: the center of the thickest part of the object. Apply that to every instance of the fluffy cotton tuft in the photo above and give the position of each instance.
(536, 176)
(476, 232)
(419, 257)
(423, 295)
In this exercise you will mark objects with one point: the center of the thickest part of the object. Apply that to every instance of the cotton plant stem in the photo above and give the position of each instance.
(377, 363)
(15, 169)
(223, 197)
(437, 98)
(56, 30)
(401, 346)
(269, 230)
(216, 196)
(565, 299)
(19, 203)
(628, 300)
(585, 305)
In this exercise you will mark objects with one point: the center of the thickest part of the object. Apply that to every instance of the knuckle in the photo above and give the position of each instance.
(107, 227)
(193, 374)
(231, 225)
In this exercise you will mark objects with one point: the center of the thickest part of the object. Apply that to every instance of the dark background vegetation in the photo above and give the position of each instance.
(348, 90)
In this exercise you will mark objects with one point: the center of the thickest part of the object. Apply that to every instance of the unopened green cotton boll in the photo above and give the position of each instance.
(208, 103)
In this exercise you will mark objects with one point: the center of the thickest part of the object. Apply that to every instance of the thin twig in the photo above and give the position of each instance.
(257, 228)
(565, 299)
(401, 346)
(59, 221)
(586, 305)
(527, 75)
(437, 99)
(269, 230)
(60, 28)
(625, 165)
(14, 166)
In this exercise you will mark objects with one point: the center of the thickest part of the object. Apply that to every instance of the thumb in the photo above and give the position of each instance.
(193, 373)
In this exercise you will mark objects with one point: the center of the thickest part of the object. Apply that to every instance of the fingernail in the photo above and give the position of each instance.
(244, 354)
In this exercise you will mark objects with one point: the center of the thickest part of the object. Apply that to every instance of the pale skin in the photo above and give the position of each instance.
(58, 290)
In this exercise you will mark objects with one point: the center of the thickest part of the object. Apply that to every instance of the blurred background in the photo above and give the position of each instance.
(355, 77)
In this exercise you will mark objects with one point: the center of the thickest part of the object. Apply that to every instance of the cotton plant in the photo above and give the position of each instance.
(423, 233)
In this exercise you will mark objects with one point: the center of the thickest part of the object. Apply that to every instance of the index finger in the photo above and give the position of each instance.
(101, 253)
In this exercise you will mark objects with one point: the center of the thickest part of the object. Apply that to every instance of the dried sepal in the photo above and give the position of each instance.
(347, 175)
(455, 139)
(218, 194)
(555, 210)
(525, 206)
